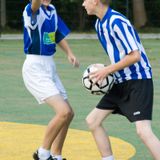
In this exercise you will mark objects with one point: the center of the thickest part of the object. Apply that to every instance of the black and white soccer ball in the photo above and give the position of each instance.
(99, 88)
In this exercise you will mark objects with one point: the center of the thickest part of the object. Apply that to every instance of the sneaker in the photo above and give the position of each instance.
(56, 158)
(35, 156)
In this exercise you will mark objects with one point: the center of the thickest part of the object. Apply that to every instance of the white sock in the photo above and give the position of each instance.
(108, 158)
(59, 157)
(43, 153)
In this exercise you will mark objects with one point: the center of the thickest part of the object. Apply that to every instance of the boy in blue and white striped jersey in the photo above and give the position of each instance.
(132, 93)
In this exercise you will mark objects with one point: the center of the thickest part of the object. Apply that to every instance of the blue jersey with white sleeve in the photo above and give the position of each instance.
(42, 30)
(119, 38)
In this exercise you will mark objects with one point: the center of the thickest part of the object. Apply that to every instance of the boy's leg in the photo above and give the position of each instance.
(57, 144)
(63, 116)
(94, 121)
(144, 131)
(108, 158)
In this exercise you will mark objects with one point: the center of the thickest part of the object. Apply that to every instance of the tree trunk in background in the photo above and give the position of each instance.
(2, 13)
(81, 17)
(139, 13)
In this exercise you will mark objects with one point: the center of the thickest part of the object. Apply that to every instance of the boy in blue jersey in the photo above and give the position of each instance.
(43, 29)
(132, 93)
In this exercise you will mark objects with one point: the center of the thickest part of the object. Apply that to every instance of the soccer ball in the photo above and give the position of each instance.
(100, 87)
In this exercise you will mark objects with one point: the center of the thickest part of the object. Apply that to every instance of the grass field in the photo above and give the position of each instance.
(17, 105)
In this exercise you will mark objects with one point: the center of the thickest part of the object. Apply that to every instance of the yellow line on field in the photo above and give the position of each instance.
(19, 141)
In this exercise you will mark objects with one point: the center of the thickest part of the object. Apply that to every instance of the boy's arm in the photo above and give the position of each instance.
(35, 5)
(128, 60)
(71, 57)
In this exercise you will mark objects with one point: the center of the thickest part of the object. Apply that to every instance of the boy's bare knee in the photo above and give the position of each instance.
(144, 132)
(91, 123)
(66, 115)
(71, 115)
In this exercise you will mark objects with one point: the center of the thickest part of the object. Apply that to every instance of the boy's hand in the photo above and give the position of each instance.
(73, 60)
(99, 75)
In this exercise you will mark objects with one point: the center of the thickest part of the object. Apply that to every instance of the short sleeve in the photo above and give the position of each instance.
(124, 32)
(62, 30)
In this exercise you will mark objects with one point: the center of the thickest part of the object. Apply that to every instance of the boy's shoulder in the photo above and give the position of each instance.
(27, 9)
(52, 7)
(117, 17)
(27, 6)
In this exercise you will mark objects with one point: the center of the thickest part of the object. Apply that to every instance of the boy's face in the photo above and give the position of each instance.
(89, 6)
(45, 2)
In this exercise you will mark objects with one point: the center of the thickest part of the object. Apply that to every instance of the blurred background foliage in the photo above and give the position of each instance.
(144, 14)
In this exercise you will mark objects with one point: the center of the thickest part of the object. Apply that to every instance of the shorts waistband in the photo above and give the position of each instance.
(39, 57)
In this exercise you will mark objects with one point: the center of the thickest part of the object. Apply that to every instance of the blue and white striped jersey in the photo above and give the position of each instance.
(42, 30)
(119, 38)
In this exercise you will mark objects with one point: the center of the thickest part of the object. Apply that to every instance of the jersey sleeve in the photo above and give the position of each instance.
(124, 32)
(29, 9)
(62, 30)
(29, 18)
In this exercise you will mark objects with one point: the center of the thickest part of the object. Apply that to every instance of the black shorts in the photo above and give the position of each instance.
(133, 99)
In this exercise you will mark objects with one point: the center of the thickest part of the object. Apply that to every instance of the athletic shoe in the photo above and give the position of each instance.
(56, 158)
(35, 156)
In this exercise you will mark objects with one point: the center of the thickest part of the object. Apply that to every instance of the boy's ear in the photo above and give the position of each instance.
(96, 1)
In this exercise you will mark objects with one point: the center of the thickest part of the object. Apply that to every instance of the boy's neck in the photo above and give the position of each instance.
(102, 12)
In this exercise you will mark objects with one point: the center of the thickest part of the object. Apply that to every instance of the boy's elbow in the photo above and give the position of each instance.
(137, 56)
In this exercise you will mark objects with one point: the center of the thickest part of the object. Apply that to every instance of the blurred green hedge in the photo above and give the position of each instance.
(75, 16)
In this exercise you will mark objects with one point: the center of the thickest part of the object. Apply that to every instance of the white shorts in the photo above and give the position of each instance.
(41, 78)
